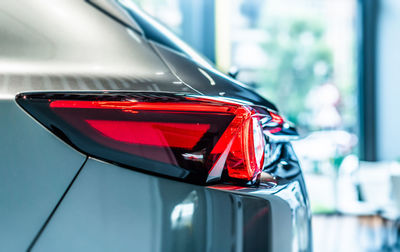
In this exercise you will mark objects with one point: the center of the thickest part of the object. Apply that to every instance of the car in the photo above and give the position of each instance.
(117, 136)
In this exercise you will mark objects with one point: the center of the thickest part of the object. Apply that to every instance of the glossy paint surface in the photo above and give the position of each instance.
(35, 169)
(113, 209)
(111, 56)
(110, 207)
(70, 45)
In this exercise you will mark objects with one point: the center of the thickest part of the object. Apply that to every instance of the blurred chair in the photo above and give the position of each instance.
(379, 184)
(395, 208)
(378, 214)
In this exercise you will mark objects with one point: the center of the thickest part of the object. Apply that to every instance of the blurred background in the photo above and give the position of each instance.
(331, 66)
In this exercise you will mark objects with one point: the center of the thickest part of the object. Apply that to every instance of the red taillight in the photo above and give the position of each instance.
(193, 138)
(246, 154)
(275, 123)
(276, 118)
(176, 135)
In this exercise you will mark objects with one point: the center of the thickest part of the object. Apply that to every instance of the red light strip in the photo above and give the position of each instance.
(241, 115)
(276, 118)
(134, 105)
(236, 137)
(178, 135)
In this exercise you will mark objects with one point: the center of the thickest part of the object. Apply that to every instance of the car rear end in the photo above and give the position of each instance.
(115, 139)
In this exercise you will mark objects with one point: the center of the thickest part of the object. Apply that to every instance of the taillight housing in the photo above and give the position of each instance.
(193, 138)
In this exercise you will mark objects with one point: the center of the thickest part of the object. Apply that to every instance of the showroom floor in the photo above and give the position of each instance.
(334, 233)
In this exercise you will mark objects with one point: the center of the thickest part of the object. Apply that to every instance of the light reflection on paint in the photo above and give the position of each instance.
(182, 214)
(210, 79)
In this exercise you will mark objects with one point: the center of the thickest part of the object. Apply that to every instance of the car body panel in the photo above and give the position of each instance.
(110, 208)
(14, 83)
(111, 56)
(40, 53)
(35, 170)
(290, 207)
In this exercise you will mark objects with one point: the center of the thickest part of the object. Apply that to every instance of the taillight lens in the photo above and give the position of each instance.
(275, 123)
(193, 138)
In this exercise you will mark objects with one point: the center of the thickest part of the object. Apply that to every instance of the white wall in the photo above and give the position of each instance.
(388, 81)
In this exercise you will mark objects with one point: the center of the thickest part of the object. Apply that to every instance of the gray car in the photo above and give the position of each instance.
(117, 136)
